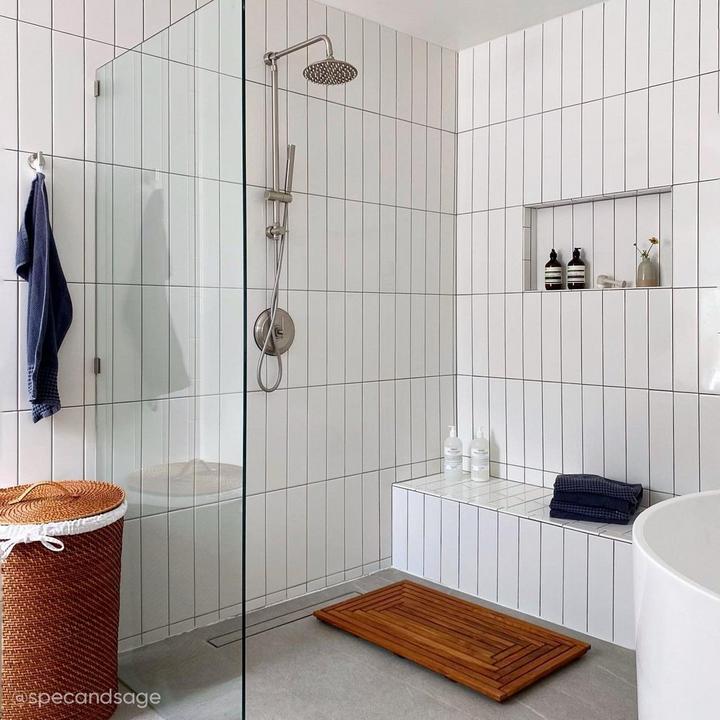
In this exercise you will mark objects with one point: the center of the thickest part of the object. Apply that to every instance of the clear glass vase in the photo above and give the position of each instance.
(647, 273)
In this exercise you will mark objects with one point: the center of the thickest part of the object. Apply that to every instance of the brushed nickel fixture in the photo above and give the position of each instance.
(274, 328)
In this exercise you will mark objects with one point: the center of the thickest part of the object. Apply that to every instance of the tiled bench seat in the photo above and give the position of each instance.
(497, 541)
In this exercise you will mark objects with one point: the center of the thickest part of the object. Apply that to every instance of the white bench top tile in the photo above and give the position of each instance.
(512, 498)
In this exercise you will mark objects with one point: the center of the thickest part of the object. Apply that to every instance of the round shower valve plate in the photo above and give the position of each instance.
(283, 331)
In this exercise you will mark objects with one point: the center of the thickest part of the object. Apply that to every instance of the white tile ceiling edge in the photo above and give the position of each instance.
(459, 24)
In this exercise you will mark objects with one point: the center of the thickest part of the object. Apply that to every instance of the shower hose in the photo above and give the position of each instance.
(269, 342)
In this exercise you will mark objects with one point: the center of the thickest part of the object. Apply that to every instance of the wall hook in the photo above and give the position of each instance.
(36, 161)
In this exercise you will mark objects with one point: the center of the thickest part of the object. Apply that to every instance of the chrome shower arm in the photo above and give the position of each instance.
(271, 57)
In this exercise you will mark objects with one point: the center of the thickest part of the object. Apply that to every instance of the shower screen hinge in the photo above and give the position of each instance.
(97, 368)
(96, 88)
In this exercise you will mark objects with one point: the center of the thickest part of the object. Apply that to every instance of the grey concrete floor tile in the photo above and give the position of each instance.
(194, 679)
(595, 699)
(307, 670)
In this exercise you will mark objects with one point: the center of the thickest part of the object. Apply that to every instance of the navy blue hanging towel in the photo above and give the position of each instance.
(49, 306)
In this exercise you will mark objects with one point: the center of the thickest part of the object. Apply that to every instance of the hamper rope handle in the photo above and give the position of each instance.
(27, 491)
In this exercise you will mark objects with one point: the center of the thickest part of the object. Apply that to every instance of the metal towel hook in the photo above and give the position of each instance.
(36, 161)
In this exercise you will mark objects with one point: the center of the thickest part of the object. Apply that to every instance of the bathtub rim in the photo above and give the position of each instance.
(642, 544)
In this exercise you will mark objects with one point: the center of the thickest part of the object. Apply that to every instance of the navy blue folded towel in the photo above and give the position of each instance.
(568, 511)
(595, 498)
(597, 485)
(49, 304)
(592, 500)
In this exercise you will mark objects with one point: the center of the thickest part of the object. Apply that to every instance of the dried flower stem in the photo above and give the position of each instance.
(646, 253)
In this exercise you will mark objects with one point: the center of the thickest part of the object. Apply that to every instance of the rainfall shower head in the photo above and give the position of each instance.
(327, 71)
(330, 72)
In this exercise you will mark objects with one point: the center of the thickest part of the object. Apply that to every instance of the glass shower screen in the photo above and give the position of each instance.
(170, 348)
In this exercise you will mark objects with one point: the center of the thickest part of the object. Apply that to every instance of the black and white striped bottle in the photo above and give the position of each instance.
(553, 273)
(576, 272)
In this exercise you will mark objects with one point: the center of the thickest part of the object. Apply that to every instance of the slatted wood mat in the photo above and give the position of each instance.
(488, 651)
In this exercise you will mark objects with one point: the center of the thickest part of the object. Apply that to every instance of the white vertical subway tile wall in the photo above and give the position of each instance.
(620, 97)
(370, 281)
(370, 386)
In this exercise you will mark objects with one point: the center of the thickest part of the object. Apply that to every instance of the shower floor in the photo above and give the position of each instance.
(300, 669)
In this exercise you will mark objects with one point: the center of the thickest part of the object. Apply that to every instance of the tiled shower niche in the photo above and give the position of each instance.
(606, 228)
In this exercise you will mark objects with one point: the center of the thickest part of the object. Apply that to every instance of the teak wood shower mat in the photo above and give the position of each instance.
(488, 651)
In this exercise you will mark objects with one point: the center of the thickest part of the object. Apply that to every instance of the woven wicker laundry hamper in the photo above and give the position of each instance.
(60, 545)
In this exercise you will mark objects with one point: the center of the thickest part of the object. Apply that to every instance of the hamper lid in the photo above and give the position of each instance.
(49, 502)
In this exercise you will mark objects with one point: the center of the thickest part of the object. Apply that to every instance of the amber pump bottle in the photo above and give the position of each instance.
(553, 272)
(576, 272)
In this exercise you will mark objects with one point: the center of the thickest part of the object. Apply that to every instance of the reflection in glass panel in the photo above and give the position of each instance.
(169, 334)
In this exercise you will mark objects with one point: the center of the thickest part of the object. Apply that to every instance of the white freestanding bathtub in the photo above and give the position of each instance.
(676, 558)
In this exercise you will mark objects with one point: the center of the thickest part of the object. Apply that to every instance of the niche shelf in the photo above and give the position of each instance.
(605, 227)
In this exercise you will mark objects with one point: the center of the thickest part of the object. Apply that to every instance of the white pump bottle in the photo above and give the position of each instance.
(479, 457)
(453, 454)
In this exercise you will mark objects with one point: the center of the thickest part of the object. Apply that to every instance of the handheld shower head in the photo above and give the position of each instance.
(330, 72)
